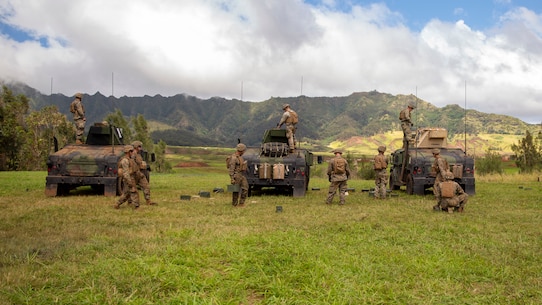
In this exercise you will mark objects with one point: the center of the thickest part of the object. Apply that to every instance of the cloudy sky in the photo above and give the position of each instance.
(486, 54)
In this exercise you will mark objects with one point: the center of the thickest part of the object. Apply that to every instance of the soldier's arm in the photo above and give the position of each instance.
(231, 167)
(79, 109)
(284, 118)
(441, 168)
(458, 189)
(126, 172)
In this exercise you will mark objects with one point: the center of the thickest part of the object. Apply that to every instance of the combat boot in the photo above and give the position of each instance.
(149, 202)
(235, 198)
(78, 141)
(450, 210)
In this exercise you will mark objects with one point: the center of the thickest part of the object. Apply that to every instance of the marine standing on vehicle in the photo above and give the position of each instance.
(141, 180)
(406, 124)
(78, 110)
(290, 118)
(338, 172)
(237, 168)
(381, 175)
(128, 170)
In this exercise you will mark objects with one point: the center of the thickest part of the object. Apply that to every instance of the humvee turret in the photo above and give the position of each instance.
(411, 166)
(271, 165)
(91, 164)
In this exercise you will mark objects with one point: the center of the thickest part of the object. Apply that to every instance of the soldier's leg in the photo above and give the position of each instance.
(463, 198)
(134, 196)
(234, 198)
(331, 192)
(290, 136)
(377, 186)
(144, 184)
(383, 184)
(244, 191)
(80, 129)
(124, 195)
(343, 186)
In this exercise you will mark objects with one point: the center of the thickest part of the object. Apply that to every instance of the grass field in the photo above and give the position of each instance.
(79, 250)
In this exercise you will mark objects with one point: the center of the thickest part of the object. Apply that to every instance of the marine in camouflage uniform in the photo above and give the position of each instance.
(141, 179)
(381, 175)
(440, 167)
(237, 169)
(451, 194)
(290, 126)
(78, 110)
(406, 124)
(128, 171)
(337, 180)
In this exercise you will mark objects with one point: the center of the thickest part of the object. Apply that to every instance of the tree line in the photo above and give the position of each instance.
(27, 137)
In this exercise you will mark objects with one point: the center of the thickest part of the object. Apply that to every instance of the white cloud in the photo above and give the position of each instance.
(209, 48)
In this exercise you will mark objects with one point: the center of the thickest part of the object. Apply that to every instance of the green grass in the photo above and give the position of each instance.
(79, 250)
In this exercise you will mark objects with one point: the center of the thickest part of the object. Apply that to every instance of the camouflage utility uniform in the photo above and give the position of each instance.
(128, 171)
(440, 167)
(287, 118)
(337, 180)
(237, 167)
(141, 179)
(78, 110)
(451, 194)
(406, 124)
(381, 175)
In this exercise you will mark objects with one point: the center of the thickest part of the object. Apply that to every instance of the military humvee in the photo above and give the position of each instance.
(91, 164)
(411, 166)
(272, 165)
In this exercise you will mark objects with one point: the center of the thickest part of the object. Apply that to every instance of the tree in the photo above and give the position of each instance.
(528, 154)
(117, 119)
(12, 132)
(490, 164)
(45, 129)
(161, 165)
(142, 132)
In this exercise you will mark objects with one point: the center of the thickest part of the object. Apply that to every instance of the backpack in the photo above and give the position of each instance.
(340, 166)
(447, 189)
(228, 160)
(293, 117)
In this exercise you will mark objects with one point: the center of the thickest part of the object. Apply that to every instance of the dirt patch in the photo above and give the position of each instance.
(192, 164)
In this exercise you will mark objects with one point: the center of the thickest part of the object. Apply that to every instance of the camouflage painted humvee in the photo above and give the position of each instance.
(411, 167)
(93, 163)
(271, 165)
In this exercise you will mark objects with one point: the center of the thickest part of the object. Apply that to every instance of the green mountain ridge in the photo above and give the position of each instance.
(217, 121)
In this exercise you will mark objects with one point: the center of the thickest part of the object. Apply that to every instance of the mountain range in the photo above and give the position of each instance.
(187, 120)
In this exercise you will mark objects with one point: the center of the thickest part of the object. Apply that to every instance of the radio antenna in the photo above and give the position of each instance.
(465, 117)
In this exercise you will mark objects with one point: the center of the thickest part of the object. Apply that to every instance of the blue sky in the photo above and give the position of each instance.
(478, 14)
(260, 49)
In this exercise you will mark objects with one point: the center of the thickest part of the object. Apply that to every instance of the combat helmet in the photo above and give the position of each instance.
(412, 105)
(79, 95)
(128, 148)
(449, 175)
(435, 151)
(338, 150)
(241, 147)
(381, 148)
(284, 106)
(137, 144)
